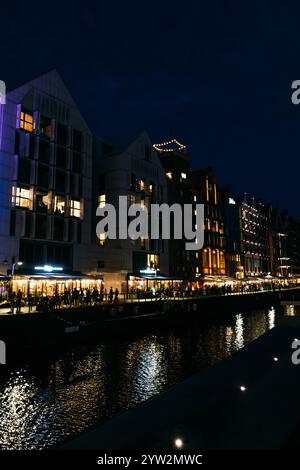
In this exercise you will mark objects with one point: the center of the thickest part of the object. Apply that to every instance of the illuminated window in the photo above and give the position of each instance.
(102, 239)
(206, 189)
(102, 200)
(21, 197)
(169, 175)
(142, 185)
(59, 205)
(26, 122)
(183, 176)
(152, 260)
(151, 188)
(74, 208)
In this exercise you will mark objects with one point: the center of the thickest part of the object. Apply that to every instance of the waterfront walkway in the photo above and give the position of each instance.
(6, 309)
(211, 411)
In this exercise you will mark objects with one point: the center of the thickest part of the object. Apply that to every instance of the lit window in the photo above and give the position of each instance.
(169, 175)
(102, 200)
(151, 188)
(183, 176)
(152, 260)
(74, 208)
(21, 197)
(26, 122)
(142, 185)
(59, 205)
(195, 198)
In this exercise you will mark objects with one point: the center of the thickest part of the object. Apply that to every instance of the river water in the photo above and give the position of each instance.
(47, 399)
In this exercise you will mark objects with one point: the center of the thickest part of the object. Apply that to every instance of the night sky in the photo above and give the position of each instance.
(216, 75)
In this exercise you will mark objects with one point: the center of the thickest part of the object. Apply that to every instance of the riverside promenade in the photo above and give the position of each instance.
(211, 411)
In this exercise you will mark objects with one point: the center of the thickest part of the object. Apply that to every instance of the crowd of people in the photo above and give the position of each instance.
(70, 298)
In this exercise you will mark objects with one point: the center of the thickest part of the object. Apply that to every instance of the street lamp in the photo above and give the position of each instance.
(18, 263)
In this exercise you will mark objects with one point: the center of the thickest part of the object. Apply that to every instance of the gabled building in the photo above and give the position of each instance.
(175, 161)
(45, 177)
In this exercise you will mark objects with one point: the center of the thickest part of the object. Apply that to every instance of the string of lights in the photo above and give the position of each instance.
(161, 147)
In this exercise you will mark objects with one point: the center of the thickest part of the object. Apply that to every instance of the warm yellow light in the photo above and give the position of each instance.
(178, 443)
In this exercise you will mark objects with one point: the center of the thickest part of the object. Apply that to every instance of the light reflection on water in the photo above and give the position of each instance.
(46, 401)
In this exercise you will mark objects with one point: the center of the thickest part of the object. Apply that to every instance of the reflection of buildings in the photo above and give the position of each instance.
(130, 169)
(45, 175)
(212, 255)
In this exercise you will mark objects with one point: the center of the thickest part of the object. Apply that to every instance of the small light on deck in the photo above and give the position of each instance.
(243, 388)
(178, 443)
(275, 359)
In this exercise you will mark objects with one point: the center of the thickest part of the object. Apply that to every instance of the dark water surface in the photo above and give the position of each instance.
(48, 399)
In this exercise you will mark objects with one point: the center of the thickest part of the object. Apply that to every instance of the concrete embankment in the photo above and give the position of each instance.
(210, 411)
(69, 325)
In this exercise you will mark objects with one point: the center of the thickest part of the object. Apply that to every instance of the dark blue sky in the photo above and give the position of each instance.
(215, 75)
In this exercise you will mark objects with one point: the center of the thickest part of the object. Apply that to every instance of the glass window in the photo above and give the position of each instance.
(42, 202)
(74, 208)
(102, 239)
(62, 135)
(26, 121)
(21, 197)
(59, 205)
(45, 127)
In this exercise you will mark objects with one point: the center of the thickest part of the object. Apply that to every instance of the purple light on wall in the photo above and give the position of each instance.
(1, 123)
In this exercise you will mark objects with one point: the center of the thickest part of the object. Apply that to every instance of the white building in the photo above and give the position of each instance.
(45, 177)
(132, 169)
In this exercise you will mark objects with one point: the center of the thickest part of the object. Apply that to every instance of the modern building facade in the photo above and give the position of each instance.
(256, 236)
(45, 178)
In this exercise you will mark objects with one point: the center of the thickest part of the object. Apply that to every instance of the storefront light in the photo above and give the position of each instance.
(48, 268)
